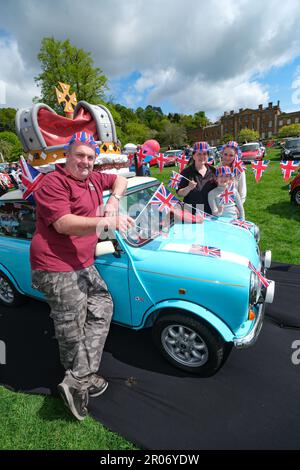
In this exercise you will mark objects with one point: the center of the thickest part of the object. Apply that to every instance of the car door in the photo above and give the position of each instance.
(113, 268)
(17, 225)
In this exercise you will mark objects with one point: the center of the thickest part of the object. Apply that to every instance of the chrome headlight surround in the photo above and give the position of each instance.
(256, 233)
(254, 289)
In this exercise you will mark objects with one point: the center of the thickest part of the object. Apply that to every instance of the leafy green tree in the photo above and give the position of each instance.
(5, 150)
(13, 149)
(60, 61)
(136, 133)
(248, 135)
(292, 130)
(226, 138)
(7, 119)
(173, 134)
(200, 120)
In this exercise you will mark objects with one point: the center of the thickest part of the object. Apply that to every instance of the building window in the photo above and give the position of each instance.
(270, 134)
(281, 122)
(270, 124)
(296, 120)
(289, 121)
(262, 135)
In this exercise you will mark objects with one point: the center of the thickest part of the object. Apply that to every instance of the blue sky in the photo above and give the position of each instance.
(181, 55)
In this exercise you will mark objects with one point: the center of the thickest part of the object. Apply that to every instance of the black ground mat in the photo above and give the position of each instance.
(251, 403)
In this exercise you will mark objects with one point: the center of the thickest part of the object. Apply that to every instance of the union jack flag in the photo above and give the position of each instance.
(288, 168)
(30, 178)
(205, 251)
(227, 196)
(264, 281)
(238, 166)
(140, 155)
(210, 160)
(183, 161)
(130, 158)
(163, 199)
(242, 224)
(259, 167)
(175, 179)
(160, 158)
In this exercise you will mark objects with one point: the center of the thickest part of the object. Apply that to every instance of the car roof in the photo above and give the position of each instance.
(132, 182)
(250, 143)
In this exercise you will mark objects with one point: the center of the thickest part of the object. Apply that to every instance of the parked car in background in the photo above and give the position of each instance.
(295, 190)
(190, 283)
(251, 151)
(290, 149)
(171, 157)
(263, 149)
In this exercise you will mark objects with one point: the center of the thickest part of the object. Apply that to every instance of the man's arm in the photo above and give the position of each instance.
(80, 226)
(119, 187)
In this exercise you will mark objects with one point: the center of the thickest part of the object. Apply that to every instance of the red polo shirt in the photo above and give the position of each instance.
(60, 194)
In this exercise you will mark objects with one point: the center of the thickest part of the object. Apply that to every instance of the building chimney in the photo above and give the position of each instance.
(271, 105)
(240, 110)
(260, 106)
(231, 113)
(278, 103)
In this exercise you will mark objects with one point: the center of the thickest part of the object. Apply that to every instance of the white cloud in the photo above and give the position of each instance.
(16, 80)
(209, 55)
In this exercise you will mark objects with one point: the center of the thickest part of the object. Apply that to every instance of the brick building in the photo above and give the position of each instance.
(267, 121)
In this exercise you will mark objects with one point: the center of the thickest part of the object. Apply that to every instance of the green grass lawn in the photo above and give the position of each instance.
(38, 422)
(268, 205)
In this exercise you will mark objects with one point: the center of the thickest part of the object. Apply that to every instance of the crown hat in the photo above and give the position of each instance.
(223, 171)
(201, 147)
(83, 138)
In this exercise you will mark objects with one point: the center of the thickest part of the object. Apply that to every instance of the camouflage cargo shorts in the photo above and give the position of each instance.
(81, 308)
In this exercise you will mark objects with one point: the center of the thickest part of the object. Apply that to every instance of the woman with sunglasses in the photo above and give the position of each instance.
(231, 155)
(199, 179)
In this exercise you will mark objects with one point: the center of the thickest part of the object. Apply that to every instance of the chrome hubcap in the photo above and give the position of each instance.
(6, 292)
(297, 197)
(184, 345)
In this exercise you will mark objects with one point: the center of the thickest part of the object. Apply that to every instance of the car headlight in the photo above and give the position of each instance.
(255, 289)
(256, 233)
(287, 152)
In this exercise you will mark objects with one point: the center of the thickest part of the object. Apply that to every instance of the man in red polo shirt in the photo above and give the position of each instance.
(69, 216)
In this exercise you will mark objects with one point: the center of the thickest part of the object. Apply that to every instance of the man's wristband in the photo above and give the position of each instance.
(116, 196)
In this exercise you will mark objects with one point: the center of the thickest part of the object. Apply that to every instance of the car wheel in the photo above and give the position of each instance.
(9, 296)
(189, 344)
(296, 196)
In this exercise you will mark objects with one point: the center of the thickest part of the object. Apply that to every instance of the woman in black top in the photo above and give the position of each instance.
(201, 176)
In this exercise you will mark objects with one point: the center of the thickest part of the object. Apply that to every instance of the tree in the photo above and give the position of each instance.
(173, 134)
(248, 135)
(60, 61)
(226, 138)
(292, 130)
(136, 133)
(5, 150)
(11, 145)
(7, 119)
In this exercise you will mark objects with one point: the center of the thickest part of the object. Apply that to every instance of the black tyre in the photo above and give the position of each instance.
(189, 344)
(9, 296)
(296, 196)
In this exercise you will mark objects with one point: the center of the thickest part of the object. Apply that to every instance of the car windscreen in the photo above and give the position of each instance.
(293, 143)
(249, 148)
(150, 222)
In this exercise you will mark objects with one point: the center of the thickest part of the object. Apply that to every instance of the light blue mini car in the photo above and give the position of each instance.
(190, 283)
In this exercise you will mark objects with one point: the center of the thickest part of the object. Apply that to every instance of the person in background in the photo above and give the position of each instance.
(224, 200)
(201, 178)
(231, 153)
